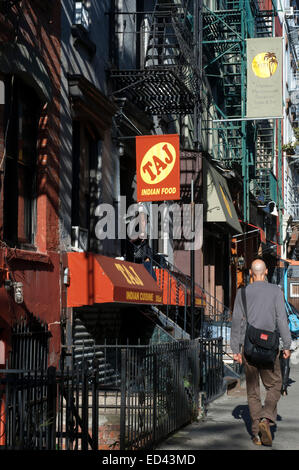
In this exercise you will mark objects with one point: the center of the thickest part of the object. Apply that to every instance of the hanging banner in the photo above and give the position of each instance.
(264, 77)
(158, 167)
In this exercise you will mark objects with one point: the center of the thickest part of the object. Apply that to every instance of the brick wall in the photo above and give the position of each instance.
(39, 29)
(37, 25)
(109, 436)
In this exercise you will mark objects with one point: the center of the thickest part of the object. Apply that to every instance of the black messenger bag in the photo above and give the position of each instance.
(260, 346)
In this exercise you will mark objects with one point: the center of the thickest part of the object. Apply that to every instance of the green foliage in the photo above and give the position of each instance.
(290, 147)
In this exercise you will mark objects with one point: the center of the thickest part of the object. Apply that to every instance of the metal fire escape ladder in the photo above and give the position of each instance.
(248, 146)
(167, 80)
(222, 41)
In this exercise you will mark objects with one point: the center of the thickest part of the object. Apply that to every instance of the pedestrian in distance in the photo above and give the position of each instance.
(259, 318)
(285, 364)
(293, 322)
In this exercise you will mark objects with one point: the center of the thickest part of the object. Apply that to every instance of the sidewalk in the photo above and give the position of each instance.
(226, 425)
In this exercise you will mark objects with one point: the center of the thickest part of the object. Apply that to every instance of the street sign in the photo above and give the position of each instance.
(158, 167)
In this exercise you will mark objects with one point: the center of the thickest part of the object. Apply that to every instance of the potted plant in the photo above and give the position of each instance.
(291, 147)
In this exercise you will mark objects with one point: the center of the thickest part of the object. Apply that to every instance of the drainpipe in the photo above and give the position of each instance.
(192, 254)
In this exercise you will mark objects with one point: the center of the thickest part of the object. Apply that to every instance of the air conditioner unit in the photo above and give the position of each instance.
(289, 12)
(272, 208)
(81, 15)
(294, 96)
(79, 238)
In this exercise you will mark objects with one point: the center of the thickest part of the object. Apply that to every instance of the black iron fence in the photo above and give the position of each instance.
(160, 388)
(211, 367)
(29, 344)
(155, 391)
(27, 419)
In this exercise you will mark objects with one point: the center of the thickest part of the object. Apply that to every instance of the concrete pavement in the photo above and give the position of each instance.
(226, 425)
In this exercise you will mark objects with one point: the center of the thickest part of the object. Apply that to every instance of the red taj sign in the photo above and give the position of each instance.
(158, 167)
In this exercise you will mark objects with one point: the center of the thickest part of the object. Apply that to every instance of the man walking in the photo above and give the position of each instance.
(265, 310)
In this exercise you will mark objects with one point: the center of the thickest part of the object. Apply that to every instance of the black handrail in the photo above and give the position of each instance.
(215, 312)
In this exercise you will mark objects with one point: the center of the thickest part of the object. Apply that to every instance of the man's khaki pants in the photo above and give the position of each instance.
(272, 381)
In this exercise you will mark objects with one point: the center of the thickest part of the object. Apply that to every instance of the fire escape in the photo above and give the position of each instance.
(167, 80)
(245, 146)
(292, 153)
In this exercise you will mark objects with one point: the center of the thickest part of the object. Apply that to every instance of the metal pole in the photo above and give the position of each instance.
(124, 359)
(243, 121)
(280, 186)
(155, 394)
(197, 56)
(51, 408)
(197, 40)
(248, 119)
(192, 273)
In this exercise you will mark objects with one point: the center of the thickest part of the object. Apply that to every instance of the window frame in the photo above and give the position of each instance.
(20, 166)
(292, 294)
(85, 154)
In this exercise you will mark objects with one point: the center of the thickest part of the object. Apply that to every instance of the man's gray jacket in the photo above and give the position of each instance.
(265, 310)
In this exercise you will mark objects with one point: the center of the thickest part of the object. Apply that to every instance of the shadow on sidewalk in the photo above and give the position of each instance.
(242, 412)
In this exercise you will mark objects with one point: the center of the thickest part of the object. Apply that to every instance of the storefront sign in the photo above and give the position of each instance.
(158, 167)
(101, 279)
(264, 77)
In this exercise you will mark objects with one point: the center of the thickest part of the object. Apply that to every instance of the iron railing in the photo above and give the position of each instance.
(27, 404)
(214, 318)
(29, 344)
(163, 76)
(156, 393)
(211, 368)
(163, 394)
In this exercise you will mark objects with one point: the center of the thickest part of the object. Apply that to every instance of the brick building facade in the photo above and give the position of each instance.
(30, 134)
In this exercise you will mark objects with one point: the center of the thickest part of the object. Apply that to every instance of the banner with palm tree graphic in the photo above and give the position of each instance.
(264, 77)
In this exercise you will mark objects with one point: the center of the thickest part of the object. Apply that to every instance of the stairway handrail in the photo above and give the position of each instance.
(225, 313)
(226, 310)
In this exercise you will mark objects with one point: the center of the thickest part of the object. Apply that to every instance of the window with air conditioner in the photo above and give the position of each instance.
(84, 163)
(289, 12)
(81, 17)
(79, 238)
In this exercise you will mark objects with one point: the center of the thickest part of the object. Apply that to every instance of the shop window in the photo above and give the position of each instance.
(22, 111)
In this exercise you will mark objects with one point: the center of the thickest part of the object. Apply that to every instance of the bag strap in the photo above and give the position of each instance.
(244, 301)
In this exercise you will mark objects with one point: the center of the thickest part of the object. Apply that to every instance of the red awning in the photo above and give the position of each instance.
(101, 279)
(175, 292)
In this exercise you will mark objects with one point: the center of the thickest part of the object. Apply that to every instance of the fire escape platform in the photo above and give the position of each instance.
(156, 90)
(222, 33)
